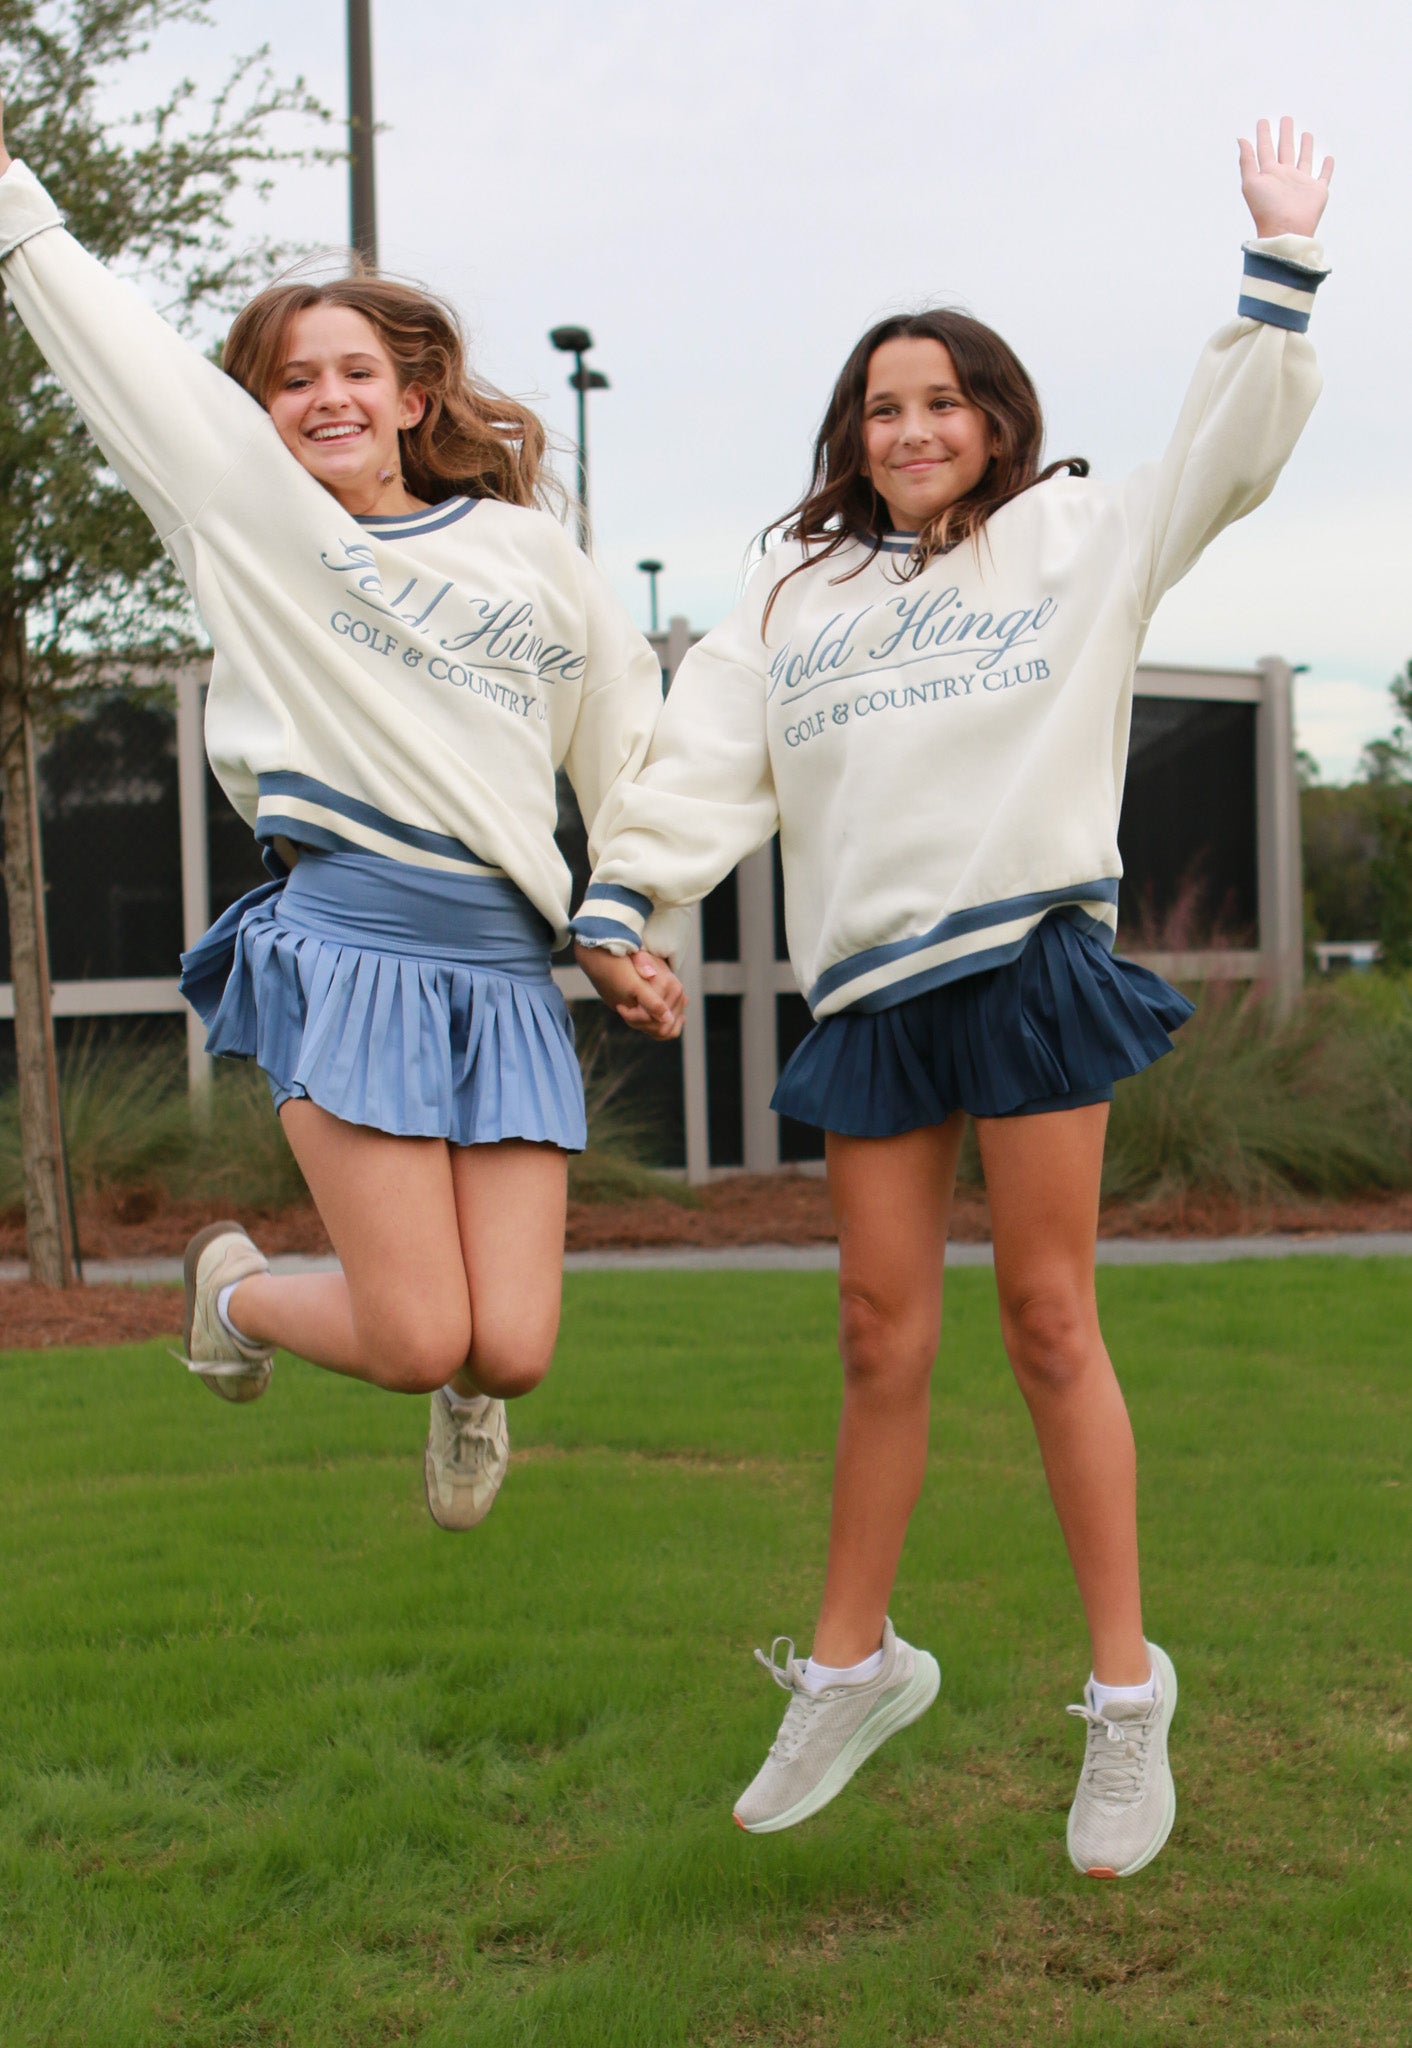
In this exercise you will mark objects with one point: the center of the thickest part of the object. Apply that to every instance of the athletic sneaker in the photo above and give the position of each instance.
(217, 1257)
(468, 1450)
(1126, 1802)
(826, 1735)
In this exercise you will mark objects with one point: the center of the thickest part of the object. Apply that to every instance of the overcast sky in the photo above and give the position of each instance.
(727, 194)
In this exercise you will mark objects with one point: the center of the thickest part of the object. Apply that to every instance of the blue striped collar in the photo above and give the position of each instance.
(431, 519)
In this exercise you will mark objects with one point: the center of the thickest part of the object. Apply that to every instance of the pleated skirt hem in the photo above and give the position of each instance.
(416, 1047)
(1054, 1028)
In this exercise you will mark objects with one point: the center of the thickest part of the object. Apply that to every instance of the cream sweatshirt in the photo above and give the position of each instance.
(943, 753)
(406, 686)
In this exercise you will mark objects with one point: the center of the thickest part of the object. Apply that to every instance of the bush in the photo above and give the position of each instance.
(128, 1125)
(1253, 1106)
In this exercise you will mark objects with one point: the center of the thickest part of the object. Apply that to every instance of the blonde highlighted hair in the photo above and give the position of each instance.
(470, 437)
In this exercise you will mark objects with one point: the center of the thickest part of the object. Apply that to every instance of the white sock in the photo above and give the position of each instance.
(1101, 1697)
(454, 1398)
(817, 1676)
(223, 1311)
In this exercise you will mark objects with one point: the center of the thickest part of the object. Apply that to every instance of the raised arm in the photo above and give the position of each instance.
(1256, 383)
(168, 420)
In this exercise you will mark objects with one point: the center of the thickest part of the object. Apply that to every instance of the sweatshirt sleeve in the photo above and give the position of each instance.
(704, 799)
(618, 706)
(1254, 388)
(169, 421)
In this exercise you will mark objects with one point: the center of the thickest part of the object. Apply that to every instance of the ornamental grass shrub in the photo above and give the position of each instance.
(1254, 1105)
(129, 1127)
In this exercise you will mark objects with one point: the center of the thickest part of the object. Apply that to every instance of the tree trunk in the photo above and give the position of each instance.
(51, 1250)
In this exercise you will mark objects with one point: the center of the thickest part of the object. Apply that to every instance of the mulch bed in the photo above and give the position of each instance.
(786, 1208)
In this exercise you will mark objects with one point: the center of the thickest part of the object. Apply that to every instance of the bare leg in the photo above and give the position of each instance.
(399, 1313)
(892, 1199)
(1042, 1175)
(510, 1207)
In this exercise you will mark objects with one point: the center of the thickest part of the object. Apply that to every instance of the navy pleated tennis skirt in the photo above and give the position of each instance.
(407, 999)
(1052, 1029)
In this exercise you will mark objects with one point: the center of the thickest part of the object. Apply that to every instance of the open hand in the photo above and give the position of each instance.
(1282, 192)
(641, 988)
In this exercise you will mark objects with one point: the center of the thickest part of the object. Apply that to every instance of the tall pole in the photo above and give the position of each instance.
(580, 384)
(652, 570)
(362, 191)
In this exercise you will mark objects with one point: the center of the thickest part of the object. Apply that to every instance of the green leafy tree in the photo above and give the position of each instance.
(84, 585)
(1387, 769)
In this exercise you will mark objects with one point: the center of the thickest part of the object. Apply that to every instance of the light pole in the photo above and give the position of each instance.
(576, 342)
(652, 570)
(362, 193)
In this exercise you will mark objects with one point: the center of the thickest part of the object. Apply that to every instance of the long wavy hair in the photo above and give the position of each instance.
(841, 504)
(470, 438)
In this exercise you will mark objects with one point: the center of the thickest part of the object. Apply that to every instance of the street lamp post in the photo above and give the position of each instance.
(652, 570)
(576, 342)
(362, 193)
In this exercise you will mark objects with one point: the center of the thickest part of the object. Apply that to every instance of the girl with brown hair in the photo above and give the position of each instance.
(926, 689)
(407, 647)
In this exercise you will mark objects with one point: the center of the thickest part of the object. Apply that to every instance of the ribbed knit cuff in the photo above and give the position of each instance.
(611, 917)
(26, 209)
(1277, 287)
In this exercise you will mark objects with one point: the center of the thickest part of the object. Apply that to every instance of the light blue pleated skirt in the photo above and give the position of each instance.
(411, 1000)
(1052, 1029)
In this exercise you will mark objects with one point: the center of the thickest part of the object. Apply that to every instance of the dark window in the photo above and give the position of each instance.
(1187, 833)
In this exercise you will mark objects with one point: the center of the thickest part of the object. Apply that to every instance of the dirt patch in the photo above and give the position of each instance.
(788, 1208)
(746, 1208)
(32, 1318)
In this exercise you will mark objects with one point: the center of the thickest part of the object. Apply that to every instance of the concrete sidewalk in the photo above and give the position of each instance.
(822, 1258)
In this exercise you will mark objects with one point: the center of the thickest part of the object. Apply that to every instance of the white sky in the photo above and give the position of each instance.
(727, 194)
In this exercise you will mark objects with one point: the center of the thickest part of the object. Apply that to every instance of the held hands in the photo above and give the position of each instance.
(1284, 196)
(640, 987)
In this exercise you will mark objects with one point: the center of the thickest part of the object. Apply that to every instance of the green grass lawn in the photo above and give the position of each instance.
(282, 1763)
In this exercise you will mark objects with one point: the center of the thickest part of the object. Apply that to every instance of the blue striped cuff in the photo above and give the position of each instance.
(1277, 291)
(611, 916)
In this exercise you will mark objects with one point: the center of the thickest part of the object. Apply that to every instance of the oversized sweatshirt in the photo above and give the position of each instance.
(406, 686)
(943, 753)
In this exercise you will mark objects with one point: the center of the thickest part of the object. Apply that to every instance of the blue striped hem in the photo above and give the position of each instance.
(955, 926)
(287, 782)
(406, 525)
(1279, 270)
(1273, 316)
(965, 964)
(594, 930)
(614, 892)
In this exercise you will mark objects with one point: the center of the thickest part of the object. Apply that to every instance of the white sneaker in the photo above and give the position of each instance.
(468, 1451)
(826, 1735)
(1126, 1802)
(217, 1257)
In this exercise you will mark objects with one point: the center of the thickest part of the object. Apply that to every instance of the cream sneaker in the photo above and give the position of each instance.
(826, 1735)
(468, 1451)
(1126, 1802)
(216, 1257)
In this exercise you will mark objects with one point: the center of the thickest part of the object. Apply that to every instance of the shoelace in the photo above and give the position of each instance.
(803, 1706)
(1115, 1762)
(470, 1443)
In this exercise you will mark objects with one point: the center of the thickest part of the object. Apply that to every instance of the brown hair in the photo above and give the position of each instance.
(470, 437)
(841, 504)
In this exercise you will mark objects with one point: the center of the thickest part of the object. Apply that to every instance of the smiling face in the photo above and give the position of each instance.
(338, 408)
(927, 445)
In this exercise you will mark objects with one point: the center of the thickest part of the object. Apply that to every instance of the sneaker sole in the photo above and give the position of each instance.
(214, 1375)
(1169, 1812)
(887, 1718)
